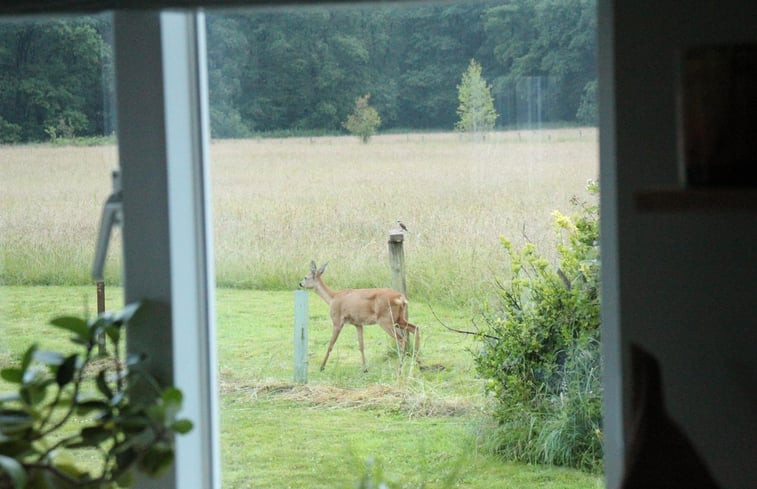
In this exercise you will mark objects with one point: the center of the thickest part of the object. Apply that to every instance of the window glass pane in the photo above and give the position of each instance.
(466, 122)
(57, 154)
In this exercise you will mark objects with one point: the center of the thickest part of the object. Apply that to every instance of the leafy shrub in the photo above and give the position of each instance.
(226, 122)
(69, 406)
(9, 132)
(540, 348)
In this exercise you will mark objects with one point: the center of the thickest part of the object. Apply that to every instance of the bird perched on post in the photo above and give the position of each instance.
(402, 226)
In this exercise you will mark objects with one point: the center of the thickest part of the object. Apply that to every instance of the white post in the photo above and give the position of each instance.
(301, 336)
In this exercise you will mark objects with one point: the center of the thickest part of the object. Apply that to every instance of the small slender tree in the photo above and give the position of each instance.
(476, 109)
(364, 120)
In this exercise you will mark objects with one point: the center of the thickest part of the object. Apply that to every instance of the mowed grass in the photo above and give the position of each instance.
(426, 426)
(279, 203)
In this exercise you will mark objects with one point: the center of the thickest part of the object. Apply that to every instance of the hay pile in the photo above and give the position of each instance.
(374, 396)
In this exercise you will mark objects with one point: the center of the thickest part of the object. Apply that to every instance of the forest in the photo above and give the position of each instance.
(300, 70)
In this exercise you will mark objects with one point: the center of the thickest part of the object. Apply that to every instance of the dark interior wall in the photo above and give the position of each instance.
(687, 278)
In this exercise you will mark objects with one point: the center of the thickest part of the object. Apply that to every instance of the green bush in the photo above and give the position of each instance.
(540, 348)
(9, 132)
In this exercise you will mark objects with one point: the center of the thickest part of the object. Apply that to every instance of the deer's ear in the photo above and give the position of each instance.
(312, 266)
(322, 269)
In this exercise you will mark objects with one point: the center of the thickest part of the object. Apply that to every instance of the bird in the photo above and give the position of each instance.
(402, 226)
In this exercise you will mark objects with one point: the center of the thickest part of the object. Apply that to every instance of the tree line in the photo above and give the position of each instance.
(302, 69)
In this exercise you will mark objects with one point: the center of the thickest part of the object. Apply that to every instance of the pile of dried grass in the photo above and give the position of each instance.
(375, 396)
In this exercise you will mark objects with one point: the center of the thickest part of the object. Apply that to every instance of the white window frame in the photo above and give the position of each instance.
(162, 106)
(163, 134)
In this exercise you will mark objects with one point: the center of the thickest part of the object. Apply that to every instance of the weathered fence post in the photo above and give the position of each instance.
(397, 260)
(301, 336)
(100, 310)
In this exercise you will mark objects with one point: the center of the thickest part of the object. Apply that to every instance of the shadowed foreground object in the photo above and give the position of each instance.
(661, 455)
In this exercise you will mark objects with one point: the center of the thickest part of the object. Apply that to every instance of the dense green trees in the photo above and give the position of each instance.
(51, 79)
(302, 69)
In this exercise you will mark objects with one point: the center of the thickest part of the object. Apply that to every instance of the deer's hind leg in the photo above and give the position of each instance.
(396, 334)
(417, 333)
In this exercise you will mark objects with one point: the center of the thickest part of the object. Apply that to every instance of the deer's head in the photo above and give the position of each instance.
(311, 279)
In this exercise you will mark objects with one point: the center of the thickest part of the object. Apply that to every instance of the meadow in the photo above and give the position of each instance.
(277, 204)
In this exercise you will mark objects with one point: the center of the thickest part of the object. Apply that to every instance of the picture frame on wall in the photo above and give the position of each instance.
(717, 101)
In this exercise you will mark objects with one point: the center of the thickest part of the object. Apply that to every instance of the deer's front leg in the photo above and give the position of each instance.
(360, 343)
(334, 336)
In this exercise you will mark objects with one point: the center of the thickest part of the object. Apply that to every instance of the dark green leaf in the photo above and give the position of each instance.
(182, 426)
(28, 356)
(125, 479)
(125, 457)
(172, 396)
(157, 413)
(66, 371)
(15, 447)
(157, 459)
(14, 470)
(34, 393)
(76, 325)
(86, 407)
(13, 375)
(143, 439)
(133, 424)
(14, 421)
(102, 385)
(113, 332)
(94, 435)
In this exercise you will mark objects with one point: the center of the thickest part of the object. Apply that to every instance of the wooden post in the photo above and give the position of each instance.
(301, 336)
(100, 310)
(397, 260)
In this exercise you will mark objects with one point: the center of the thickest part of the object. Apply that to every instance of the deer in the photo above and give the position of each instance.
(360, 307)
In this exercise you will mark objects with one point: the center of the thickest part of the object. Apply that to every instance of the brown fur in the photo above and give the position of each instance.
(359, 307)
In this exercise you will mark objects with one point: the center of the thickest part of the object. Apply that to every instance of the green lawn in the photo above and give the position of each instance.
(420, 426)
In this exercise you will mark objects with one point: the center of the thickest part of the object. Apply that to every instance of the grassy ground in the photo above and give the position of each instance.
(424, 427)
(278, 204)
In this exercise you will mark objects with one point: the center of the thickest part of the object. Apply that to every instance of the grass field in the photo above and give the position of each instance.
(426, 428)
(278, 204)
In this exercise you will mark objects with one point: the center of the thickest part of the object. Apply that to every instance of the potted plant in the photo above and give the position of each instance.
(73, 421)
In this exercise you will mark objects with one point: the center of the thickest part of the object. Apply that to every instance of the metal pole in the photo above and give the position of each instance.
(100, 310)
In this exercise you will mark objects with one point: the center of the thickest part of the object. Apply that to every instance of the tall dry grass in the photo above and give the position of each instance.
(51, 198)
(279, 203)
